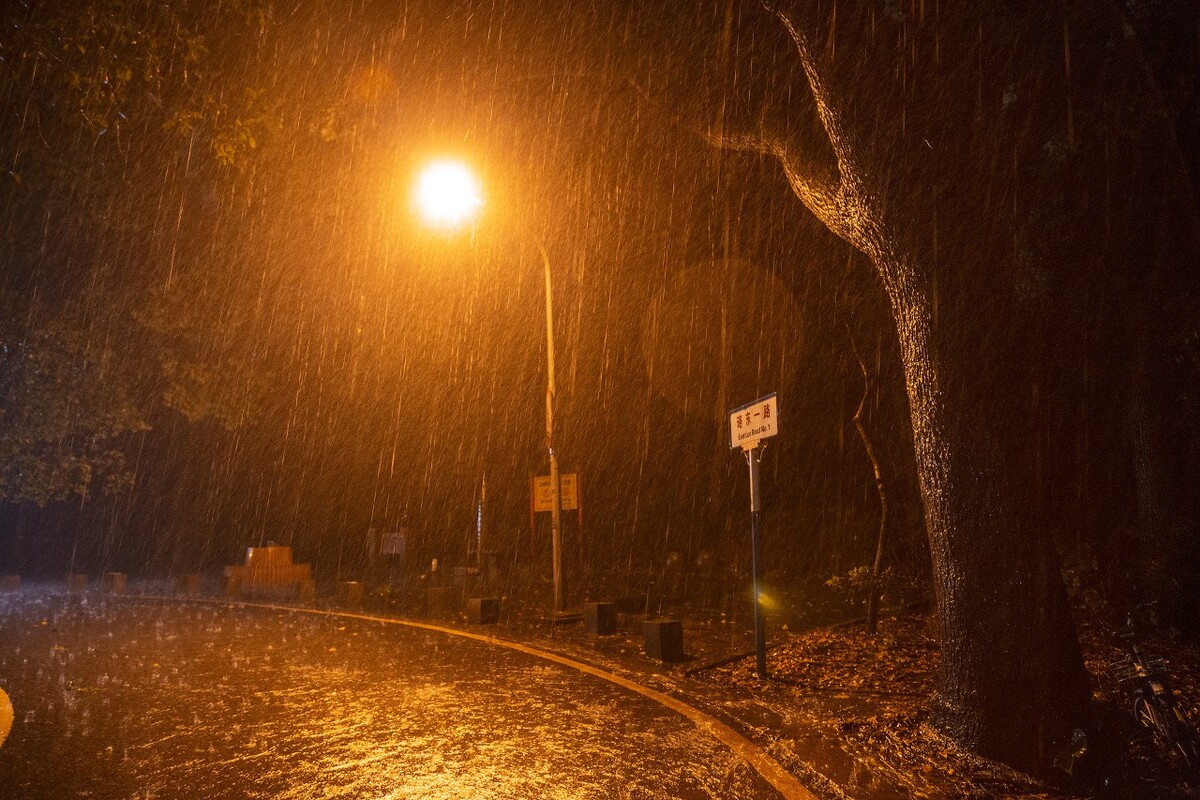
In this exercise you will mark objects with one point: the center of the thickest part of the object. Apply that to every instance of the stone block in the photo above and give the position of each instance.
(483, 610)
(664, 639)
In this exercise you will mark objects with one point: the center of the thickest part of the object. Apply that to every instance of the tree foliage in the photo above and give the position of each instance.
(67, 415)
(120, 71)
(102, 100)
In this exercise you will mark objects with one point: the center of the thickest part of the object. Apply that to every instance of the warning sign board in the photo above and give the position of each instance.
(543, 492)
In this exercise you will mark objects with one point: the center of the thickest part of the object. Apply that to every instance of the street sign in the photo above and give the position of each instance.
(748, 425)
(753, 421)
(543, 492)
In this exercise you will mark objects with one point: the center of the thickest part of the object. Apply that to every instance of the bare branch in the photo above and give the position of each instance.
(817, 191)
(860, 426)
(846, 208)
(835, 196)
(830, 118)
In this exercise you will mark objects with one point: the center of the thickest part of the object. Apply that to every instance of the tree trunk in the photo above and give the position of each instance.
(1012, 685)
(1156, 571)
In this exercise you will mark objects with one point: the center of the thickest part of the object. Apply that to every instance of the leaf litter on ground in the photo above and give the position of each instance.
(873, 695)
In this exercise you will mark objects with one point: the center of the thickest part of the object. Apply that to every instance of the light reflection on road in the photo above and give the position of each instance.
(123, 700)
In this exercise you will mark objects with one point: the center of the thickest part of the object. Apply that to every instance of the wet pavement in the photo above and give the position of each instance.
(139, 698)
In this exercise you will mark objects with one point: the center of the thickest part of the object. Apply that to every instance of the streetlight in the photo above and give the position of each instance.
(447, 195)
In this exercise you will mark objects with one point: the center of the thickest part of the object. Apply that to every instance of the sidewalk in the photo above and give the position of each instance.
(846, 712)
(841, 711)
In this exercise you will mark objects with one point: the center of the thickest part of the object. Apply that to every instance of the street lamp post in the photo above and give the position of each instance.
(555, 485)
(448, 194)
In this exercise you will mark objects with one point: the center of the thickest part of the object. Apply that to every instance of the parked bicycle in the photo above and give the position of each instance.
(1143, 677)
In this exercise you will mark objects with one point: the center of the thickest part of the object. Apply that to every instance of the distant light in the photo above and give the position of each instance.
(448, 194)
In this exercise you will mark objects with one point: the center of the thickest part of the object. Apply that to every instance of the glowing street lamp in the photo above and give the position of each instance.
(447, 195)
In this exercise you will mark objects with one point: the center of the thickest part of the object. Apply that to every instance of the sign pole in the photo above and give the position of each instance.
(749, 426)
(753, 458)
(479, 527)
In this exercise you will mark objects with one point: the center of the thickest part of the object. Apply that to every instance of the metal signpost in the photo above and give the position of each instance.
(749, 425)
(569, 497)
(479, 528)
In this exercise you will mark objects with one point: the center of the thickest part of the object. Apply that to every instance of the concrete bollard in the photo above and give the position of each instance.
(483, 610)
(10, 583)
(349, 594)
(600, 618)
(188, 584)
(76, 582)
(664, 639)
(115, 582)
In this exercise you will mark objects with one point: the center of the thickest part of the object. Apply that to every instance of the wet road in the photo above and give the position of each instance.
(138, 699)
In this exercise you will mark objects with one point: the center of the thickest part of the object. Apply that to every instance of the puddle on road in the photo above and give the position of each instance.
(136, 700)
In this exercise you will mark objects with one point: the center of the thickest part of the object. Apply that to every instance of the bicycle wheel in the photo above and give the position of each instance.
(1147, 714)
(1173, 734)
(1183, 739)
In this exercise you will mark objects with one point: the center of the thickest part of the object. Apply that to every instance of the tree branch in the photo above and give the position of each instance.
(859, 425)
(819, 192)
(844, 201)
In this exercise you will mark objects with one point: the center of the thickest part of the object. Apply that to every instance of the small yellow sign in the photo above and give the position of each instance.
(543, 492)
